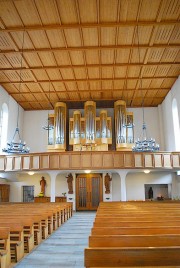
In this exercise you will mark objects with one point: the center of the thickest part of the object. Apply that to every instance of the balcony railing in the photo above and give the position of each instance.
(90, 160)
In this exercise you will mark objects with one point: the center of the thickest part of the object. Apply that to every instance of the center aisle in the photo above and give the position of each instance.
(65, 247)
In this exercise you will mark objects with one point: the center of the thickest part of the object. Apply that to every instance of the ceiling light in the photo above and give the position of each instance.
(16, 146)
(146, 171)
(144, 144)
(87, 171)
(30, 173)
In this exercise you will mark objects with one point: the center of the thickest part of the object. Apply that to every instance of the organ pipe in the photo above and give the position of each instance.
(120, 123)
(103, 124)
(60, 125)
(76, 127)
(90, 120)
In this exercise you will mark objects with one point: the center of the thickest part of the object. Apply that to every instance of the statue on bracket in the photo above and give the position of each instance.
(70, 184)
(43, 185)
(107, 180)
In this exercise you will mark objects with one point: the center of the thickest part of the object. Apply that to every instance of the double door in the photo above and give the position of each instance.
(88, 191)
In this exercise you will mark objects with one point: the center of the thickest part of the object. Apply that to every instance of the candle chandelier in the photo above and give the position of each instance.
(17, 146)
(144, 143)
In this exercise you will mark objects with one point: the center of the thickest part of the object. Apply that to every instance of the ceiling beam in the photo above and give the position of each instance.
(88, 66)
(86, 80)
(89, 25)
(82, 91)
(84, 48)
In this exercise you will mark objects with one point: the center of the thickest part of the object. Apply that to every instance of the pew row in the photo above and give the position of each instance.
(131, 257)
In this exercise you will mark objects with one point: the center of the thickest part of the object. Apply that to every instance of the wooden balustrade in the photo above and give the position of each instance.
(90, 160)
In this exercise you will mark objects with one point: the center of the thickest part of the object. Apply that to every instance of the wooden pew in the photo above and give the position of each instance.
(31, 219)
(3, 258)
(5, 253)
(135, 235)
(136, 224)
(28, 230)
(132, 257)
(135, 230)
(16, 240)
(134, 240)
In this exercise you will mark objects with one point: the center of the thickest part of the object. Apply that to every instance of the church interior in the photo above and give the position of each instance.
(90, 118)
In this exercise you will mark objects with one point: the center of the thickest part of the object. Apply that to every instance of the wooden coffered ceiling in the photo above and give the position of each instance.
(78, 50)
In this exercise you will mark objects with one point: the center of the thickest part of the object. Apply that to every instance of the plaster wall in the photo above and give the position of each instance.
(166, 106)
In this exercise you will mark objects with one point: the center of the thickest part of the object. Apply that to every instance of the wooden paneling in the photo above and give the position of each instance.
(175, 160)
(76, 161)
(9, 163)
(107, 160)
(44, 161)
(138, 160)
(98, 48)
(97, 160)
(26, 162)
(2, 163)
(158, 160)
(167, 160)
(90, 160)
(129, 160)
(35, 162)
(54, 161)
(118, 160)
(85, 160)
(17, 163)
(64, 161)
(148, 160)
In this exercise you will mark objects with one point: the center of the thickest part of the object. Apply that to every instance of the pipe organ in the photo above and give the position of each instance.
(89, 132)
(94, 133)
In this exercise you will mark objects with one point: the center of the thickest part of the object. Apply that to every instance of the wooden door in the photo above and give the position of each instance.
(88, 191)
(4, 192)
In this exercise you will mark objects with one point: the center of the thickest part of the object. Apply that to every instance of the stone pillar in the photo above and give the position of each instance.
(53, 175)
(122, 174)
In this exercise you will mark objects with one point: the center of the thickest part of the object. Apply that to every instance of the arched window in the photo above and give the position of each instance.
(176, 124)
(3, 126)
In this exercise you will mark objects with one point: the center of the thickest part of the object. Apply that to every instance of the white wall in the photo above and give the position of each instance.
(168, 128)
(135, 183)
(36, 137)
(116, 187)
(151, 116)
(12, 113)
(16, 193)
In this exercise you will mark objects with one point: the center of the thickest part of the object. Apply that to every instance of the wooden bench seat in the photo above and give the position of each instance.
(134, 240)
(132, 257)
(135, 230)
(137, 224)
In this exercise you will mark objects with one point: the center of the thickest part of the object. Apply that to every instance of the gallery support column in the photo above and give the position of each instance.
(122, 174)
(53, 175)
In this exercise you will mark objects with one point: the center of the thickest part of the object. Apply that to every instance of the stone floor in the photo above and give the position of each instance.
(65, 247)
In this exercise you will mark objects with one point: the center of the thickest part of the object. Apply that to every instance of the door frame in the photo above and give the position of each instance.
(88, 176)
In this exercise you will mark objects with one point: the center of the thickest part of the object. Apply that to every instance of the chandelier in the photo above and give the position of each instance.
(16, 146)
(144, 143)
